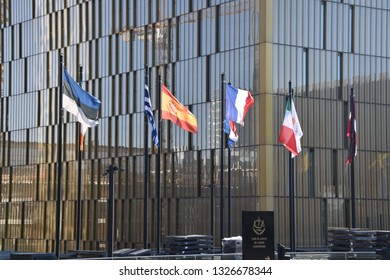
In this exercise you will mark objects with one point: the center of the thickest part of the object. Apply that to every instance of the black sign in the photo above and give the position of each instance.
(258, 235)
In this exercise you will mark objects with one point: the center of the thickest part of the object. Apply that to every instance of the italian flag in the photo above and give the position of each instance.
(291, 132)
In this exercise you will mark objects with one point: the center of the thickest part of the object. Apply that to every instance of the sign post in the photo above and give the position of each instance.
(258, 240)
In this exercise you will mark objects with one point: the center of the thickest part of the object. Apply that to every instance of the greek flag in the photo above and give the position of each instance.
(149, 113)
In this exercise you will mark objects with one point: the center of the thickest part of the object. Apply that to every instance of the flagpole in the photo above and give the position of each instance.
(146, 169)
(229, 189)
(59, 160)
(110, 209)
(212, 218)
(352, 106)
(291, 185)
(229, 194)
(221, 157)
(158, 168)
(80, 156)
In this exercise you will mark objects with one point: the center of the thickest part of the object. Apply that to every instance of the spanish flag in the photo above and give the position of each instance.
(172, 109)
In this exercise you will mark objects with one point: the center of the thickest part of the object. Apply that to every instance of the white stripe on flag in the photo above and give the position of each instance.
(149, 113)
(71, 106)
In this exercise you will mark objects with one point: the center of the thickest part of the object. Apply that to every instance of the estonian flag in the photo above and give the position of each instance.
(80, 103)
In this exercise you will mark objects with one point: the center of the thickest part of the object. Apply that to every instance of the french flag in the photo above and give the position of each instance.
(238, 102)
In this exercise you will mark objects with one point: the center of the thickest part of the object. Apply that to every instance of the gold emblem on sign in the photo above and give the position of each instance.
(259, 226)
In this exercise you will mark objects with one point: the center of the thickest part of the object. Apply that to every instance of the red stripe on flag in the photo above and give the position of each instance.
(287, 138)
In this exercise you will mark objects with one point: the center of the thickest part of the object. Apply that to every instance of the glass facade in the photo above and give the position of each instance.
(323, 47)
(326, 48)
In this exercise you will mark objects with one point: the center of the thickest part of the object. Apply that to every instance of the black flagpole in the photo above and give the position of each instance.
(221, 159)
(229, 189)
(146, 168)
(158, 168)
(353, 144)
(291, 184)
(79, 174)
(110, 209)
(229, 195)
(212, 202)
(59, 160)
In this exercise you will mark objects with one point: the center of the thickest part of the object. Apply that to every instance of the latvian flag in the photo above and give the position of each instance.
(351, 133)
(81, 104)
(291, 132)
